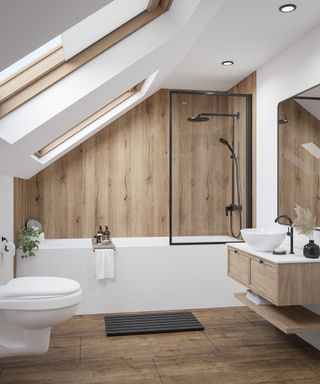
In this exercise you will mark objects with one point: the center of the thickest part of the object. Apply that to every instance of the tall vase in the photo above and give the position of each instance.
(311, 250)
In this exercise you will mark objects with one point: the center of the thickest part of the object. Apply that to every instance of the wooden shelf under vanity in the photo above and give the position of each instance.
(282, 280)
(289, 319)
(287, 282)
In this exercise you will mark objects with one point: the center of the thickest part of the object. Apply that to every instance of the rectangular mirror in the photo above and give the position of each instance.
(299, 153)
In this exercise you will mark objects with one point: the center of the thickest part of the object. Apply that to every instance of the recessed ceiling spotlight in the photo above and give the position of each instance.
(287, 8)
(227, 63)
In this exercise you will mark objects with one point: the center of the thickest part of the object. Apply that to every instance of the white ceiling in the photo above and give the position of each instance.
(69, 101)
(25, 25)
(185, 46)
(249, 32)
(312, 106)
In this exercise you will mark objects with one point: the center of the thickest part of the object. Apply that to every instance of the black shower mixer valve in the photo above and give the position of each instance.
(232, 207)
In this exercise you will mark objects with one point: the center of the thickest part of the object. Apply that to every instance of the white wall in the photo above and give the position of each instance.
(6, 224)
(295, 70)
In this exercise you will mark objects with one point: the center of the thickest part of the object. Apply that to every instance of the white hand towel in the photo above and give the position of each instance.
(104, 263)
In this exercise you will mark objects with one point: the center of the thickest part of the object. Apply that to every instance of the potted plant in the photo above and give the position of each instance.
(304, 223)
(29, 241)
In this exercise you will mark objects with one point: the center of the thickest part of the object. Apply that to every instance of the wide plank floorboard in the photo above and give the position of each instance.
(237, 347)
(60, 351)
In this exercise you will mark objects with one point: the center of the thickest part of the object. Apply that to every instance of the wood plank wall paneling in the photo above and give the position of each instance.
(20, 206)
(20, 211)
(118, 177)
(299, 170)
(248, 85)
(201, 183)
(235, 105)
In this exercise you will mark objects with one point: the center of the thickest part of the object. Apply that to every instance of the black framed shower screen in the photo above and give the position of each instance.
(247, 98)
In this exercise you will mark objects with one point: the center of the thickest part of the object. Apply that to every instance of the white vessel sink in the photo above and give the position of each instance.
(264, 240)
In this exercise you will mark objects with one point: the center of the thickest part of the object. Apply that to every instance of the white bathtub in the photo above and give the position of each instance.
(134, 241)
(149, 274)
(65, 244)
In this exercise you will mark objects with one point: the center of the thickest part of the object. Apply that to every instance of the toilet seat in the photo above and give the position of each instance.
(39, 293)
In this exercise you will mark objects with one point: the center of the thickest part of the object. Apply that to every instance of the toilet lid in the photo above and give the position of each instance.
(36, 287)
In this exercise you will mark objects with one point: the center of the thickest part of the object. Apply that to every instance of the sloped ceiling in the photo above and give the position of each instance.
(312, 106)
(184, 48)
(249, 32)
(74, 98)
(25, 25)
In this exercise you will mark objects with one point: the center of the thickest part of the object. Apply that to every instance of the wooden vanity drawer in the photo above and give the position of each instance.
(263, 279)
(282, 283)
(238, 266)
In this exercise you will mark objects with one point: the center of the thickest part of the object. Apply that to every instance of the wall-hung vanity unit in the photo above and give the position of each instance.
(287, 282)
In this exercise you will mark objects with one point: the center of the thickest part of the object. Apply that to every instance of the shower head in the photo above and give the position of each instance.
(198, 119)
(205, 116)
(225, 142)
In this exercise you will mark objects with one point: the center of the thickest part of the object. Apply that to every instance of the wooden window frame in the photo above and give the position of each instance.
(50, 68)
(89, 120)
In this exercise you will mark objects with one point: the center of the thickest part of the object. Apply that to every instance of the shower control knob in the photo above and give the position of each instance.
(229, 208)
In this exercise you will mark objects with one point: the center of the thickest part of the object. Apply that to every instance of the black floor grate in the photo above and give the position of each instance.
(151, 323)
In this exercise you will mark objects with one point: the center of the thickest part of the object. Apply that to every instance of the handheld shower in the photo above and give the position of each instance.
(225, 142)
(235, 172)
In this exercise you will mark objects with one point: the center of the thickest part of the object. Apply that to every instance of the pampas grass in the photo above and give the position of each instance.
(304, 221)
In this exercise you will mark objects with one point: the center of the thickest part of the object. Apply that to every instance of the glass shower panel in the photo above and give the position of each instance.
(208, 161)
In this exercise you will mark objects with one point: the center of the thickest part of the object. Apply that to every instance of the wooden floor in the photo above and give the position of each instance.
(236, 347)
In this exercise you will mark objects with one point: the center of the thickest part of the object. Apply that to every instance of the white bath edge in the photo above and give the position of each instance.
(128, 242)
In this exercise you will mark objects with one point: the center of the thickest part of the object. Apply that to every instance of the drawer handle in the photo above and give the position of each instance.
(261, 261)
(235, 251)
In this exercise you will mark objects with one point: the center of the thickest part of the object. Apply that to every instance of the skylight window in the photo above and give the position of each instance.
(31, 58)
(91, 29)
(80, 44)
(93, 123)
(100, 24)
(88, 121)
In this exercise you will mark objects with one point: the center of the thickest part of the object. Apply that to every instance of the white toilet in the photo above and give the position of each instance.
(29, 307)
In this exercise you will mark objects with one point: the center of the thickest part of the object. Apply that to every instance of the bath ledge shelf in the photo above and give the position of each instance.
(289, 319)
(103, 246)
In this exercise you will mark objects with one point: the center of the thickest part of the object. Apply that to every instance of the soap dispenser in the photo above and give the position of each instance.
(99, 234)
(106, 232)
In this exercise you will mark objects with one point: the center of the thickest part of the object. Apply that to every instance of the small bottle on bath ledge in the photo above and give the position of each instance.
(106, 235)
(99, 234)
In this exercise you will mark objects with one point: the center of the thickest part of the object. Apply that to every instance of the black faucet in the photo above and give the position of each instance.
(290, 230)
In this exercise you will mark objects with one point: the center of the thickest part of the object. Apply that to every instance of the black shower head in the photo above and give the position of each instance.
(198, 119)
(225, 142)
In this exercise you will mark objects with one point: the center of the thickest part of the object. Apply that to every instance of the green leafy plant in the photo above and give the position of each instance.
(29, 241)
